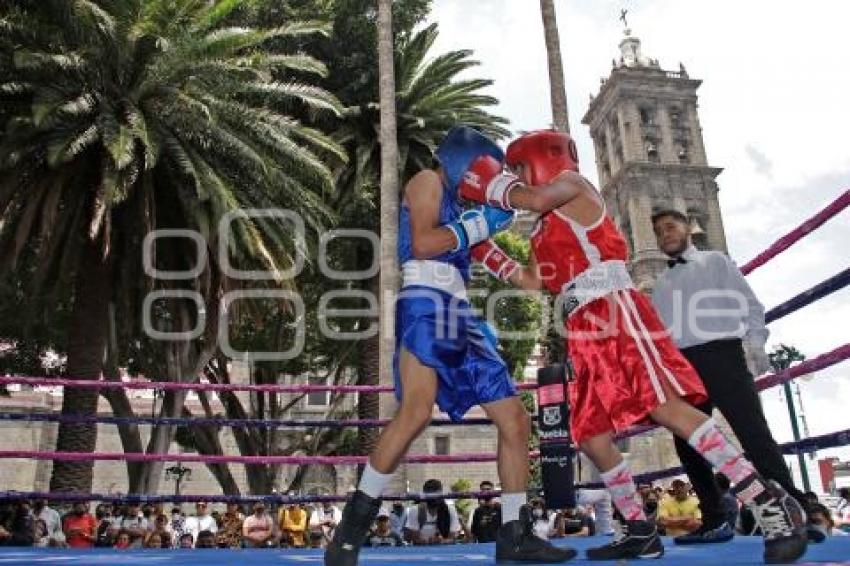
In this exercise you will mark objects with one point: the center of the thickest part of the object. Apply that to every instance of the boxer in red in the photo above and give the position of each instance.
(627, 368)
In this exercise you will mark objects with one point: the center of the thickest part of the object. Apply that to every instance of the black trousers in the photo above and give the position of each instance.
(723, 369)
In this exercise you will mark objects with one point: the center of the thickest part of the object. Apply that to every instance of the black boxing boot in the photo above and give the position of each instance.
(516, 542)
(357, 517)
(780, 516)
(639, 539)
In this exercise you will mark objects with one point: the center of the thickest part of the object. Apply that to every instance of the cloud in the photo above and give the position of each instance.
(762, 164)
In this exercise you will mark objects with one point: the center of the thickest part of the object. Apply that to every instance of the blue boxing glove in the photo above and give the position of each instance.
(479, 223)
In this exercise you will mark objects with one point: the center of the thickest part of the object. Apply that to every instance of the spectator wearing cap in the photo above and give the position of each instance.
(258, 528)
(432, 521)
(679, 512)
(487, 517)
(201, 521)
(382, 534)
(292, 520)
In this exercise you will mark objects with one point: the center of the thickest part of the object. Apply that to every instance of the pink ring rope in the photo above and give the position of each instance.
(830, 440)
(814, 364)
(797, 234)
(248, 460)
(211, 387)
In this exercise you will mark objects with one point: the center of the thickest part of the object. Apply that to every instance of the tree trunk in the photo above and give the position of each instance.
(207, 443)
(557, 88)
(86, 349)
(389, 275)
(184, 361)
(368, 373)
(131, 438)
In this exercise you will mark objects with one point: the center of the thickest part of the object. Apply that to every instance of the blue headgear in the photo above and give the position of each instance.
(461, 146)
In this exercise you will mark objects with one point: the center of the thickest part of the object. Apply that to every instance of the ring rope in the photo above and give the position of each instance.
(804, 299)
(811, 365)
(797, 234)
(220, 421)
(831, 440)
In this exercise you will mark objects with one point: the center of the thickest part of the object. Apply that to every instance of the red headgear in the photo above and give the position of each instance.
(544, 153)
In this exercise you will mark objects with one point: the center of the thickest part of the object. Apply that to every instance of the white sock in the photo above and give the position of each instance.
(373, 482)
(511, 502)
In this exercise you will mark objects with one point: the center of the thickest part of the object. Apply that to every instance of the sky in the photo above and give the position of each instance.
(774, 116)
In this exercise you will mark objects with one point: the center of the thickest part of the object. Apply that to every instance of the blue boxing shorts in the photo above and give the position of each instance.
(442, 331)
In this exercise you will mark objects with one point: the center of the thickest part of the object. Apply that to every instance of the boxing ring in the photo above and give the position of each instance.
(742, 550)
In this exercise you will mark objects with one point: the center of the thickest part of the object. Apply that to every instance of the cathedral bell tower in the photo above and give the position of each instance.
(650, 156)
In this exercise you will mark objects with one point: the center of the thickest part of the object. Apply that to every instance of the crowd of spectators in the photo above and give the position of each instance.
(435, 519)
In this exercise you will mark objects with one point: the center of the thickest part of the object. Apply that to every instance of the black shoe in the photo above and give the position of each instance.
(357, 518)
(516, 542)
(639, 540)
(708, 534)
(780, 516)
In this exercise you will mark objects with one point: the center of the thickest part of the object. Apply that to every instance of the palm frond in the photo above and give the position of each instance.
(298, 62)
(285, 93)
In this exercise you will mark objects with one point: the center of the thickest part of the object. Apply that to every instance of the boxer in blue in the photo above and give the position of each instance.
(445, 354)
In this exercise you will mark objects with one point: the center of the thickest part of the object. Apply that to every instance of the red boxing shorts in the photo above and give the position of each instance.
(625, 364)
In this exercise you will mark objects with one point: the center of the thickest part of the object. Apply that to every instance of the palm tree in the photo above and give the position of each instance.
(389, 276)
(128, 116)
(557, 88)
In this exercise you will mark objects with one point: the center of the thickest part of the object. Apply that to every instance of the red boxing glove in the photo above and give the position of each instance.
(485, 182)
(494, 259)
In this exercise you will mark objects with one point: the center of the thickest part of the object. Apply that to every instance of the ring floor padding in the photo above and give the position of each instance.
(742, 550)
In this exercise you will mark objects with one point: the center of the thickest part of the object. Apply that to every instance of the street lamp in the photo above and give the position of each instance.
(177, 473)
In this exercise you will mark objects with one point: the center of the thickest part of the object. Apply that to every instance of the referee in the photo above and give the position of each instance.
(709, 308)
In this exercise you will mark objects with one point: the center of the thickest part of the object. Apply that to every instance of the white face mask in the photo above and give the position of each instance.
(538, 513)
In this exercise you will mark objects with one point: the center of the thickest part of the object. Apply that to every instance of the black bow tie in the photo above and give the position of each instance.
(672, 262)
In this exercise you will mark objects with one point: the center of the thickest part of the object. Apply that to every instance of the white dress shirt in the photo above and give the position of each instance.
(707, 299)
(429, 529)
(196, 524)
